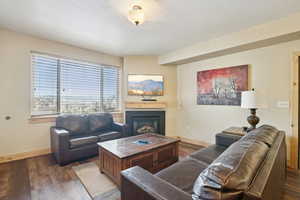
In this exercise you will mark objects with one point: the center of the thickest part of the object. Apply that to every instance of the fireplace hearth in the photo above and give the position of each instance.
(141, 122)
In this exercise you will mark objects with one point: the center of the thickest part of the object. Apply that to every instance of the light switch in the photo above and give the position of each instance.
(283, 104)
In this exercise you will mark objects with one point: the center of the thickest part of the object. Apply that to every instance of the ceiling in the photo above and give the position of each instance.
(102, 25)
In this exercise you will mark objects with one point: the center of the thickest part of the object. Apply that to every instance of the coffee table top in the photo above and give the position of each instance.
(126, 147)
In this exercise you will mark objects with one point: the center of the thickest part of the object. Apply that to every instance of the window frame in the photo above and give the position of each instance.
(58, 106)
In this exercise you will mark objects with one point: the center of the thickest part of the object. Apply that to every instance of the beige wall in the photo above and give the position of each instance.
(273, 32)
(270, 75)
(149, 65)
(18, 135)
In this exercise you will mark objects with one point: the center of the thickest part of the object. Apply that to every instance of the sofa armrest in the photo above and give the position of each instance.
(225, 139)
(59, 143)
(137, 183)
(122, 128)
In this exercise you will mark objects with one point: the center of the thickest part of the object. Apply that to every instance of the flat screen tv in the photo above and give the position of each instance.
(145, 85)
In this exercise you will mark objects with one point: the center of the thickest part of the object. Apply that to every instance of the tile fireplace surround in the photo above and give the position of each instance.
(141, 121)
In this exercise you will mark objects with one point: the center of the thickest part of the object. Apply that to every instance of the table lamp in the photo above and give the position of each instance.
(249, 102)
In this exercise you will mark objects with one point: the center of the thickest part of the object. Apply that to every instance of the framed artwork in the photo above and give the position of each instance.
(222, 86)
(145, 85)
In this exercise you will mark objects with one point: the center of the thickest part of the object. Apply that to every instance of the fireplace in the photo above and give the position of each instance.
(140, 122)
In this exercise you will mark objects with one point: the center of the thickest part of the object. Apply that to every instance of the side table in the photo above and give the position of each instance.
(230, 136)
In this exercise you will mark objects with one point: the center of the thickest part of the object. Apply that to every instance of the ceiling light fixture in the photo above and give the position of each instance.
(136, 14)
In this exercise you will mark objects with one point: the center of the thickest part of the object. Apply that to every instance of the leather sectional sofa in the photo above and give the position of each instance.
(253, 168)
(75, 137)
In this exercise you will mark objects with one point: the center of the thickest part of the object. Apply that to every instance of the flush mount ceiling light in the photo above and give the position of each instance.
(136, 14)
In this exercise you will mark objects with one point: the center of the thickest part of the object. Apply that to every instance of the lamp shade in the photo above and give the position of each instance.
(249, 99)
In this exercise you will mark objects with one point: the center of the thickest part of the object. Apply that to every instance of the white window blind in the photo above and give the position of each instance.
(44, 85)
(78, 87)
(110, 85)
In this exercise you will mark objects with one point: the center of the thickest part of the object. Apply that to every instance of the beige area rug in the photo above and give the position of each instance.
(98, 185)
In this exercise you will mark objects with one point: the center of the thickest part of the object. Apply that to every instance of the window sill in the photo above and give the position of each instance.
(52, 118)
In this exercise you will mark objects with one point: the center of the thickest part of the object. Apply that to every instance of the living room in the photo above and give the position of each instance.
(109, 100)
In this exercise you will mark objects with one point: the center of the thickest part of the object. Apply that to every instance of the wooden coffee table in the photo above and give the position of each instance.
(150, 151)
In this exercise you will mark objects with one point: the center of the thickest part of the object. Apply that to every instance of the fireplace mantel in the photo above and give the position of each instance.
(145, 104)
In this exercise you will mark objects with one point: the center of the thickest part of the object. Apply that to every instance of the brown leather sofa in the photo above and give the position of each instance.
(253, 168)
(75, 137)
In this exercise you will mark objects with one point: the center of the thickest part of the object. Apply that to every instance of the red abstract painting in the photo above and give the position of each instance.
(222, 86)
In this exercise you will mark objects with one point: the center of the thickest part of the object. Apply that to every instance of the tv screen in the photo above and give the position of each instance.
(145, 85)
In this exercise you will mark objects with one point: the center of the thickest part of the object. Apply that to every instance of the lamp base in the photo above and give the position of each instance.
(253, 120)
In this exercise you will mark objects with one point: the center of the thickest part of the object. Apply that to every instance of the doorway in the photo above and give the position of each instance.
(298, 67)
(293, 142)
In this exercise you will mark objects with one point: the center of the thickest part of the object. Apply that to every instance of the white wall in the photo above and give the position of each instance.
(149, 65)
(270, 75)
(18, 135)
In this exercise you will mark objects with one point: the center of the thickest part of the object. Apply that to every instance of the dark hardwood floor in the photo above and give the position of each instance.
(41, 178)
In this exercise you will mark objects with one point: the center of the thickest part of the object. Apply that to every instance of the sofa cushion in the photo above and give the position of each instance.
(208, 154)
(82, 141)
(183, 174)
(265, 133)
(98, 122)
(109, 136)
(232, 172)
(75, 124)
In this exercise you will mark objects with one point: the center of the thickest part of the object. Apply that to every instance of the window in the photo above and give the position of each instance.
(68, 86)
